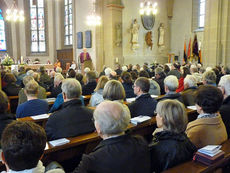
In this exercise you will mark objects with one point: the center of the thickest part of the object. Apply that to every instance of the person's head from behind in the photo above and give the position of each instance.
(79, 77)
(114, 90)
(36, 76)
(31, 89)
(144, 73)
(209, 77)
(42, 70)
(91, 76)
(58, 79)
(185, 71)
(71, 73)
(111, 118)
(141, 86)
(71, 89)
(224, 85)
(190, 81)
(101, 82)
(126, 77)
(159, 72)
(26, 79)
(171, 116)
(3, 102)
(208, 99)
(23, 144)
(171, 83)
(9, 78)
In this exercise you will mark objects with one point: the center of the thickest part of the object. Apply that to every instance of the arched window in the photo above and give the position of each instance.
(68, 24)
(2, 33)
(37, 26)
(201, 15)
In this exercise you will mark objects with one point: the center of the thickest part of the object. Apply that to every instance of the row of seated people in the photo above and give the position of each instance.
(119, 152)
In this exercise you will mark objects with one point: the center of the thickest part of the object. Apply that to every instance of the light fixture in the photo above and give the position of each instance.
(148, 8)
(93, 19)
(14, 14)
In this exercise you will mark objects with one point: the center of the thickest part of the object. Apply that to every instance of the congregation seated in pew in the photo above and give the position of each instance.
(23, 145)
(33, 106)
(170, 145)
(208, 128)
(72, 119)
(91, 84)
(117, 152)
(11, 88)
(144, 104)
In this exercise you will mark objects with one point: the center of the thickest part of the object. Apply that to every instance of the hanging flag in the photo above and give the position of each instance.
(200, 57)
(195, 49)
(189, 48)
(185, 56)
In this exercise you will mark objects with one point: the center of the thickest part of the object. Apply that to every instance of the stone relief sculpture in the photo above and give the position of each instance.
(118, 35)
(135, 34)
(148, 39)
(161, 35)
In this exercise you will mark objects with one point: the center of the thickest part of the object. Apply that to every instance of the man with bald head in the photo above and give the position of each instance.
(117, 152)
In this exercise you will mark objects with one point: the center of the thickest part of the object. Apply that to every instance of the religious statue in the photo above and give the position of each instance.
(148, 39)
(85, 60)
(161, 35)
(118, 35)
(135, 33)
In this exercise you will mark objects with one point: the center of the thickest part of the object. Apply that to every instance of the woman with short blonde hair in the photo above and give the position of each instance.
(170, 146)
(114, 90)
(97, 96)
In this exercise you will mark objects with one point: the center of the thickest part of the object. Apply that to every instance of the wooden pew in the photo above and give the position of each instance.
(196, 167)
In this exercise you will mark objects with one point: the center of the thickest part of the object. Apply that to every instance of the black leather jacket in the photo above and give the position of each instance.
(169, 149)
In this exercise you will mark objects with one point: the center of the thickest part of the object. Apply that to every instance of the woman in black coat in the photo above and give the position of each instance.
(170, 145)
(127, 84)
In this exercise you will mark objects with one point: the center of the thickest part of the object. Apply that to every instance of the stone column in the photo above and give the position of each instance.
(216, 33)
(112, 21)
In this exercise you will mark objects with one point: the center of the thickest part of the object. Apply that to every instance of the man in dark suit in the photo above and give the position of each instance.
(72, 119)
(118, 152)
(190, 87)
(144, 103)
(88, 89)
(171, 83)
(224, 86)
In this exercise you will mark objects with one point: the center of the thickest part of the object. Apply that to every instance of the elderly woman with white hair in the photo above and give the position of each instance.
(57, 85)
(171, 84)
(170, 146)
(224, 86)
(190, 87)
(209, 78)
(117, 152)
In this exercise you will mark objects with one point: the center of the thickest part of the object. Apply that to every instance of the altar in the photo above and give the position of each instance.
(48, 67)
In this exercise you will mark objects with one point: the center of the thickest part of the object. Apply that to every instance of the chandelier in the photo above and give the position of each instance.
(14, 14)
(148, 8)
(93, 19)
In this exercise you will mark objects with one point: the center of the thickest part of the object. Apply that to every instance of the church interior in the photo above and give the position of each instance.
(112, 86)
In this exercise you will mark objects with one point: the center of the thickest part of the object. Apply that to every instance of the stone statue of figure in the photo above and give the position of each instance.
(85, 60)
(135, 33)
(161, 35)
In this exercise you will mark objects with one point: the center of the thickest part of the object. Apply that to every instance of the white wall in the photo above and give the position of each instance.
(144, 54)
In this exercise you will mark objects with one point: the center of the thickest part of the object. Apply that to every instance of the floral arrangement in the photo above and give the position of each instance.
(8, 61)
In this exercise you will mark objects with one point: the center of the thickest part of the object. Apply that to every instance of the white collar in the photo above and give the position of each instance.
(38, 169)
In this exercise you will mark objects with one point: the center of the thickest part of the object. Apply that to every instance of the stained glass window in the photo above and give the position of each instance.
(37, 23)
(2, 33)
(68, 23)
(201, 13)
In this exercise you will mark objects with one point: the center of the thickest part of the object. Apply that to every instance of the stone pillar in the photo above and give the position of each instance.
(216, 33)
(112, 47)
